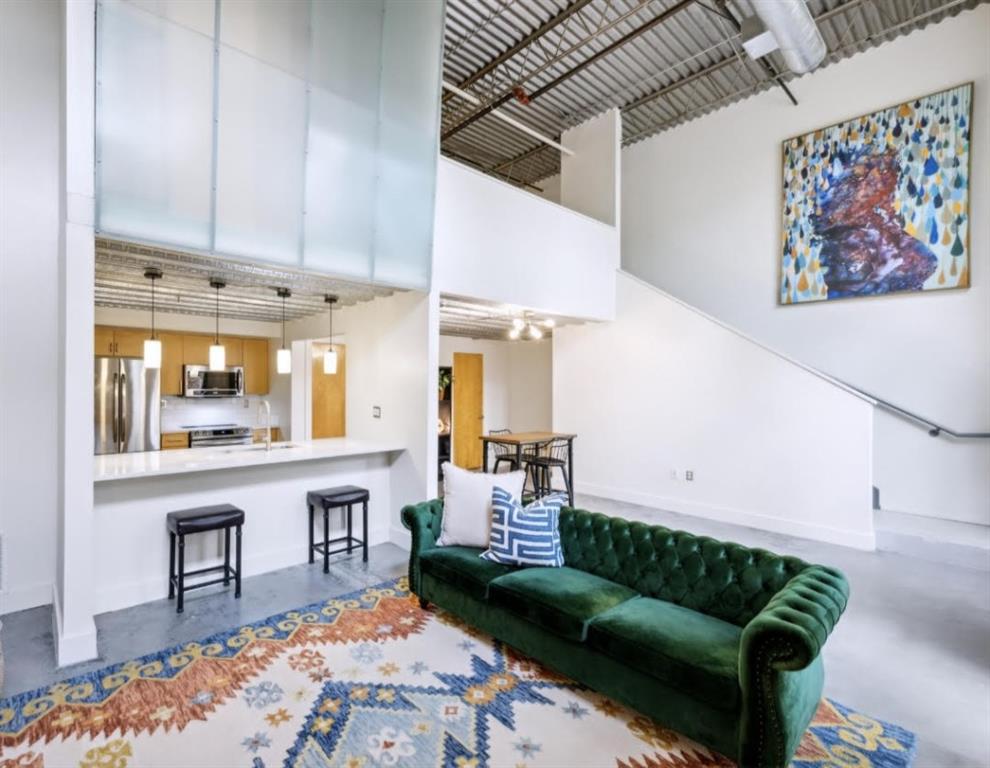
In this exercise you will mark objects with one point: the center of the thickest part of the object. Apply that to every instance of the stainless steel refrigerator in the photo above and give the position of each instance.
(127, 409)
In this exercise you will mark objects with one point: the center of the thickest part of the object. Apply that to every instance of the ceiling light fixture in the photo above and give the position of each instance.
(283, 358)
(514, 334)
(218, 355)
(549, 323)
(330, 356)
(535, 332)
(152, 346)
(518, 323)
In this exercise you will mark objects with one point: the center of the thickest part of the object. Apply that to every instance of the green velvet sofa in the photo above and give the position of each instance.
(712, 639)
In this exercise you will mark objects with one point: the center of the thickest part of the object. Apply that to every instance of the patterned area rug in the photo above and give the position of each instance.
(366, 681)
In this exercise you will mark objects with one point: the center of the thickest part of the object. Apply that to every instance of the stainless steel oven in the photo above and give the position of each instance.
(200, 381)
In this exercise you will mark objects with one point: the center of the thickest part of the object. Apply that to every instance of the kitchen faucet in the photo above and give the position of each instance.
(264, 406)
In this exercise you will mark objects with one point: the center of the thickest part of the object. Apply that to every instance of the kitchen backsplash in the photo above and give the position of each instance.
(179, 413)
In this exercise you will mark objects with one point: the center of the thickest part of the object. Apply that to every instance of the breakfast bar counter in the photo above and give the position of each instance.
(133, 493)
(126, 466)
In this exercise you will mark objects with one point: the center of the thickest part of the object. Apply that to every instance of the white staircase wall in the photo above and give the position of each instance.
(665, 389)
(701, 219)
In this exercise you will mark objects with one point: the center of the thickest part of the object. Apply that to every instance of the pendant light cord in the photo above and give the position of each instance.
(283, 321)
(217, 339)
(152, 309)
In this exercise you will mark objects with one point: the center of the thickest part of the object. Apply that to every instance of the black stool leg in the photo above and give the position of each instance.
(364, 530)
(237, 573)
(226, 556)
(311, 533)
(182, 572)
(350, 528)
(326, 540)
(171, 566)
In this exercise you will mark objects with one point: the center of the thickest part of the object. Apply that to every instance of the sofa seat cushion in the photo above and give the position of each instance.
(561, 600)
(463, 567)
(687, 650)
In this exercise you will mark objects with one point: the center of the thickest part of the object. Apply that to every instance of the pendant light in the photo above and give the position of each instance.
(218, 356)
(152, 346)
(330, 356)
(283, 359)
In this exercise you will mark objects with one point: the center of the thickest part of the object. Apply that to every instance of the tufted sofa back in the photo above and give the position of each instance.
(725, 580)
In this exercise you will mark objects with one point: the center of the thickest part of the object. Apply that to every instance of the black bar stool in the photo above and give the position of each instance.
(200, 520)
(335, 498)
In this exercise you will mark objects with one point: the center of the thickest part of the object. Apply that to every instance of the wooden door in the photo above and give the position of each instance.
(329, 394)
(233, 350)
(467, 394)
(196, 349)
(171, 378)
(256, 363)
(129, 342)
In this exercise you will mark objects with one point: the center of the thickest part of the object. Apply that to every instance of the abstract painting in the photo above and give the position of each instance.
(879, 204)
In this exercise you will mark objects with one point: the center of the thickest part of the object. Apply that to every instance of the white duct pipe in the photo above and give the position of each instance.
(793, 26)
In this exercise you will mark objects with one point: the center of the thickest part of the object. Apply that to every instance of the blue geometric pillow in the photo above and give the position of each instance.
(527, 536)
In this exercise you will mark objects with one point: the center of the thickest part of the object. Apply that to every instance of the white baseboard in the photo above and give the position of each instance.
(156, 587)
(846, 538)
(22, 598)
(400, 537)
(74, 648)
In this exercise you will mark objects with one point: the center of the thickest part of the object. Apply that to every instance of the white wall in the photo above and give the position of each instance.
(391, 363)
(498, 243)
(517, 380)
(702, 217)
(30, 43)
(664, 389)
(244, 411)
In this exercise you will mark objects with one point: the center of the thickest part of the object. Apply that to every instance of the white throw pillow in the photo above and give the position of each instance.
(467, 504)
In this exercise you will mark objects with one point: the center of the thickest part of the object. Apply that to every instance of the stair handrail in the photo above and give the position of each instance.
(934, 428)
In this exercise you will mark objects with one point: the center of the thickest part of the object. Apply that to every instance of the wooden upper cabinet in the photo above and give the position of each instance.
(233, 350)
(256, 363)
(102, 341)
(129, 342)
(196, 349)
(172, 357)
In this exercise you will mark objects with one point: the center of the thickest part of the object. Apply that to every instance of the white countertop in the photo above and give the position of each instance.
(127, 466)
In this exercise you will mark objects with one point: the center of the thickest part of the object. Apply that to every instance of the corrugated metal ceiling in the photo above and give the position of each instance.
(686, 63)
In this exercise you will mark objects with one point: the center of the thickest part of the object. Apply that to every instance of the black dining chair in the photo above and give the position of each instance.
(549, 456)
(502, 452)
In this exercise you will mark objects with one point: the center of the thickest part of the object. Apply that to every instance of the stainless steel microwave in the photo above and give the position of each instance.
(200, 381)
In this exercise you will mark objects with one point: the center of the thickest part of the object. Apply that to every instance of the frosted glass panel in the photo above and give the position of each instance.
(343, 128)
(407, 143)
(273, 31)
(198, 15)
(154, 127)
(262, 130)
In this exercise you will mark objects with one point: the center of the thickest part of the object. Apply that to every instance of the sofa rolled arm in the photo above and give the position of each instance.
(792, 628)
(423, 522)
(780, 679)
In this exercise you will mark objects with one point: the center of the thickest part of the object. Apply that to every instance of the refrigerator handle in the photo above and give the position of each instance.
(123, 410)
(116, 410)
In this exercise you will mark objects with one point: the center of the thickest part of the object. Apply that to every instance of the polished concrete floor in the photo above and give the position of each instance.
(913, 647)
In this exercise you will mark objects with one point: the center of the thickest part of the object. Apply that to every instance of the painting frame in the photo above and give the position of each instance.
(964, 279)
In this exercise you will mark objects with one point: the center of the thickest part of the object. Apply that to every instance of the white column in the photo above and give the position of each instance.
(75, 630)
(590, 178)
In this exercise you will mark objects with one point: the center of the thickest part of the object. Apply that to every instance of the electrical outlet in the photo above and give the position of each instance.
(376, 411)
(689, 475)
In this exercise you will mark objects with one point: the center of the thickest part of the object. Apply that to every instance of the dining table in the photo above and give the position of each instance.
(522, 440)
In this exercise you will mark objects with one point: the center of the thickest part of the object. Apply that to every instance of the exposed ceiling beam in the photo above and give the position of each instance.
(765, 64)
(541, 30)
(711, 68)
(631, 35)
